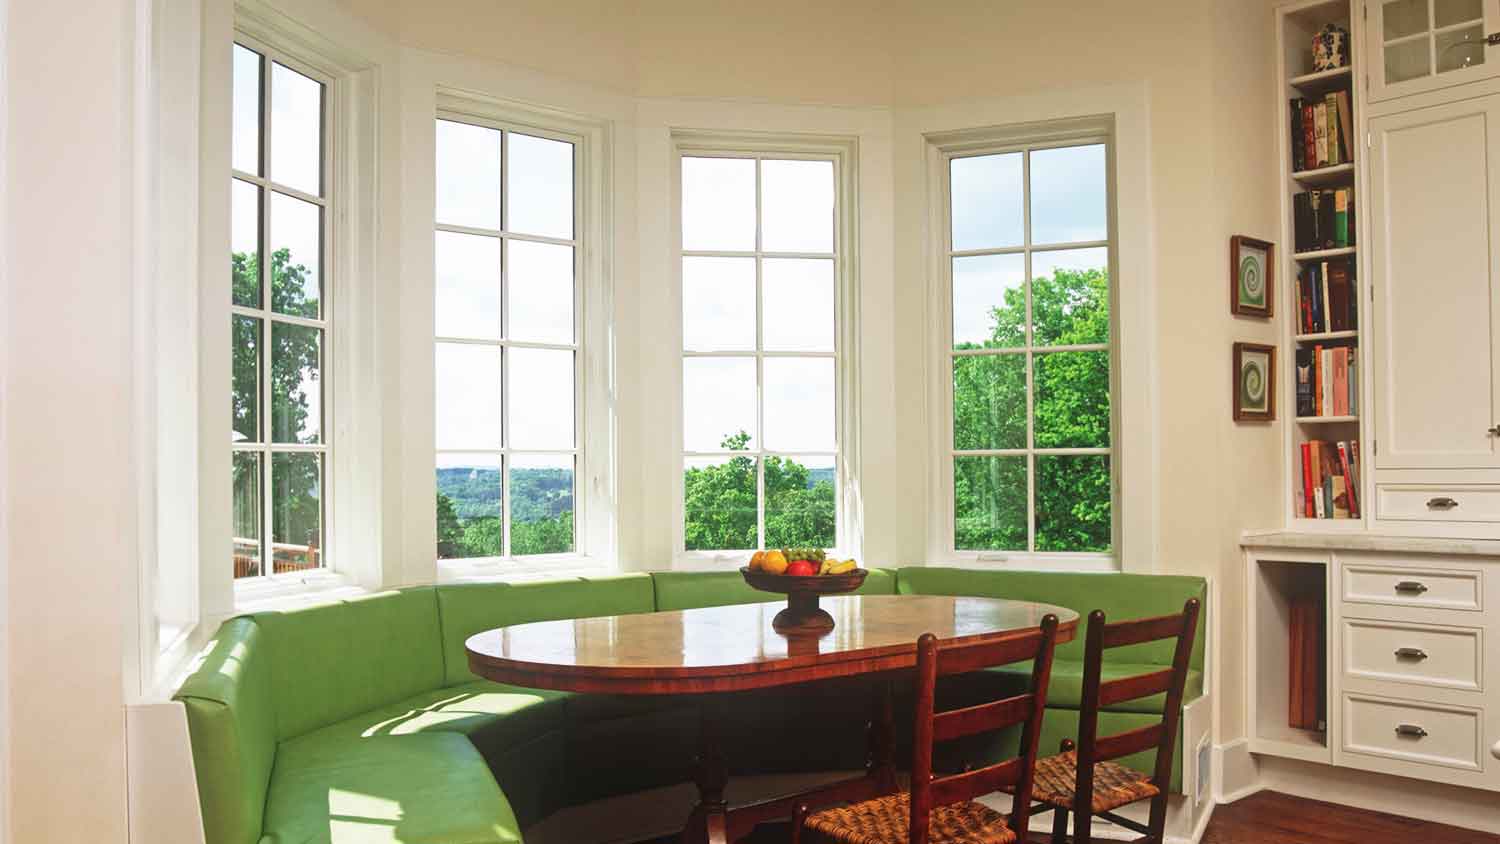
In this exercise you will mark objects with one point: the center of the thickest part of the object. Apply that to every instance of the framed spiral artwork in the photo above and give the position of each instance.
(1254, 382)
(1252, 277)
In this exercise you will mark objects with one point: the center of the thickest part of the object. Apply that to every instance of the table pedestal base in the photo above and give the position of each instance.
(713, 822)
(802, 615)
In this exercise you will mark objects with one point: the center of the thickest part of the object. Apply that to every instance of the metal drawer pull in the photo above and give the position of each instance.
(1441, 503)
(1411, 586)
(1411, 653)
(1411, 730)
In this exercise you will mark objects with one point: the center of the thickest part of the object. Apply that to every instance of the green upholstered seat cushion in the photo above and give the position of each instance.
(1066, 687)
(491, 715)
(333, 661)
(1120, 596)
(427, 788)
(232, 726)
(470, 608)
(681, 590)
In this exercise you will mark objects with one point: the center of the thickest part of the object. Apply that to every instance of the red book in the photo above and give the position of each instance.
(1348, 480)
(1307, 482)
(1341, 381)
(1310, 136)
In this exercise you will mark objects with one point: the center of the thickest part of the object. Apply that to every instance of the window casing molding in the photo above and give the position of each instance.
(1132, 401)
(593, 297)
(843, 151)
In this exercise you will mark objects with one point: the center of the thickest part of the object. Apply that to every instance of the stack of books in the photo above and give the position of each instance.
(1327, 297)
(1328, 381)
(1322, 131)
(1323, 219)
(1330, 480)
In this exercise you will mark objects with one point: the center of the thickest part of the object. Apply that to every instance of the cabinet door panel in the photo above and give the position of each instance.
(1435, 190)
(1413, 46)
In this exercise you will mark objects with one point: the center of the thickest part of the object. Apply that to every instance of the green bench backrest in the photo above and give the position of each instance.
(1121, 596)
(470, 608)
(684, 590)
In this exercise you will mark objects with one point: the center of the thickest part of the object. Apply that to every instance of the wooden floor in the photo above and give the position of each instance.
(1270, 817)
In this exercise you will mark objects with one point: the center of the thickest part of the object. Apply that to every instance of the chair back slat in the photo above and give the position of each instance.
(1140, 630)
(1128, 742)
(976, 783)
(927, 791)
(1112, 692)
(982, 718)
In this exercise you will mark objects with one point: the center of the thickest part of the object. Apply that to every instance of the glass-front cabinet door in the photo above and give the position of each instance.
(1420, 45)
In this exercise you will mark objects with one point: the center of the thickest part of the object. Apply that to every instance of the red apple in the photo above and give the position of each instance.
(801, 568)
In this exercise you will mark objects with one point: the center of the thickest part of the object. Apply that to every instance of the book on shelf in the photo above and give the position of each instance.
(1327, 381)
(1323, 219)
(1330, 480)
(1322, 129)
(1305, 686)
(1327, 297)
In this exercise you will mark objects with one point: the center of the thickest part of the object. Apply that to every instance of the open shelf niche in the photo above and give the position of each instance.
(1278, 586)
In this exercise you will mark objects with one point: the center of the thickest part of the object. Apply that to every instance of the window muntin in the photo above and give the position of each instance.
(506, 332)
(760, 266)
(1029, 250)
(280, 332)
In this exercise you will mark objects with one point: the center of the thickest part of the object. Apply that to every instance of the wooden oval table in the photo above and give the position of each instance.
(734, 648)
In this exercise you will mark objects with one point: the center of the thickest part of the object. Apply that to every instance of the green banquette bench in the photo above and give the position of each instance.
(359, 721)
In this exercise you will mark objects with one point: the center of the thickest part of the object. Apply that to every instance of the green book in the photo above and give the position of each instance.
(1341, 218)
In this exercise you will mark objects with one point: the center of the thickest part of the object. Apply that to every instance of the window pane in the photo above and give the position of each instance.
(989, 302)
(541, 398)
(1407, 60)
(798, 315)
(541, 504)
(1072, 400)
(718, 204)
(245, 145)
(796, 206)
(468, 506)
(719, 503)
(244, 243)
(1072, 502)
(799, 404)
(296, 256)
(1070, 297)
(800, 494)
(468, 396)
(539, 196)
(718, 304)
(296, 383)
(468, 175)
(540, 276)
(244, 354)
(1451, 12)
(468, 286)
(1404, 17)
(1459, 48)
(296, 511)
(246, 514)
(989, 401)
(989, 503)
(987, 201)
(718, 404)
(1067, 195)
(296, 130)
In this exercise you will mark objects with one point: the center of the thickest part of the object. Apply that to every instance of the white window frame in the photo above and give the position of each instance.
(328, 202)
(843, 153)
(593, 302)
(943, 148)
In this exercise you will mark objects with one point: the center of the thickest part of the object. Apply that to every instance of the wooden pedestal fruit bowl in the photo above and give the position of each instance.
(802, 613)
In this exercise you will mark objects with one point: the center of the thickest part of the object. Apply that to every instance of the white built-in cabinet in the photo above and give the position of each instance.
(1414, 46)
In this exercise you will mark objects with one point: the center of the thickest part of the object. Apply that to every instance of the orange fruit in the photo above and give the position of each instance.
(757, 560)
(774, 562)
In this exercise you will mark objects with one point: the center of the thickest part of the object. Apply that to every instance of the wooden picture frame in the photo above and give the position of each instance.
(1253, 382)
(1252, 277)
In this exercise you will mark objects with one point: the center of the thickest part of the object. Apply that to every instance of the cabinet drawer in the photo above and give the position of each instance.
(1449, 589)
(1414, 653)
(1425, 733)
(1437, 503)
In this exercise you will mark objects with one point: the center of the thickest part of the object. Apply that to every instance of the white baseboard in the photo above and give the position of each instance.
(1429, 801)
(1236, 774)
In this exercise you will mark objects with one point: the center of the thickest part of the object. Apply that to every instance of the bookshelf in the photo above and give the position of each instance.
(1309, 261)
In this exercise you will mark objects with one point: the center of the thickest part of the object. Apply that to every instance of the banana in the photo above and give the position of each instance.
(843, 568)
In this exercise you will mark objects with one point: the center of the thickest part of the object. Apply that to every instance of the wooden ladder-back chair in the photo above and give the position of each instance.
(942, 810)
(1083, 778)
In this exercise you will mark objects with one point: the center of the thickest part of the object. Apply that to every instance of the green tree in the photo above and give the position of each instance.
(720, 503)
(1070, 410)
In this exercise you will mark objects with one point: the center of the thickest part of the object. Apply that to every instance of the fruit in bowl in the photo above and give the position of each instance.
(799, 562)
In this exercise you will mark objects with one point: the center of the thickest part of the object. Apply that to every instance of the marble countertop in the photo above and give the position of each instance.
(1369, 542)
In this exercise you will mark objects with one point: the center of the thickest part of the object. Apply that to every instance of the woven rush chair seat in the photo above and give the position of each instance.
(1114, 785)
(886, 820)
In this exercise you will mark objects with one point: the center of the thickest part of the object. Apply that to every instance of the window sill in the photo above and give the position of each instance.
(285, 592)
(497, 570)
(997, 561)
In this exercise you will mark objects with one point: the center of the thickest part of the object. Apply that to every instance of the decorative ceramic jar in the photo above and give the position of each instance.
(1330, 48)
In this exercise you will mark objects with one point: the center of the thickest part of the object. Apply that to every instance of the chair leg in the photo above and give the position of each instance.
(1157, 824)
(1082, 831)
(1060, 826)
